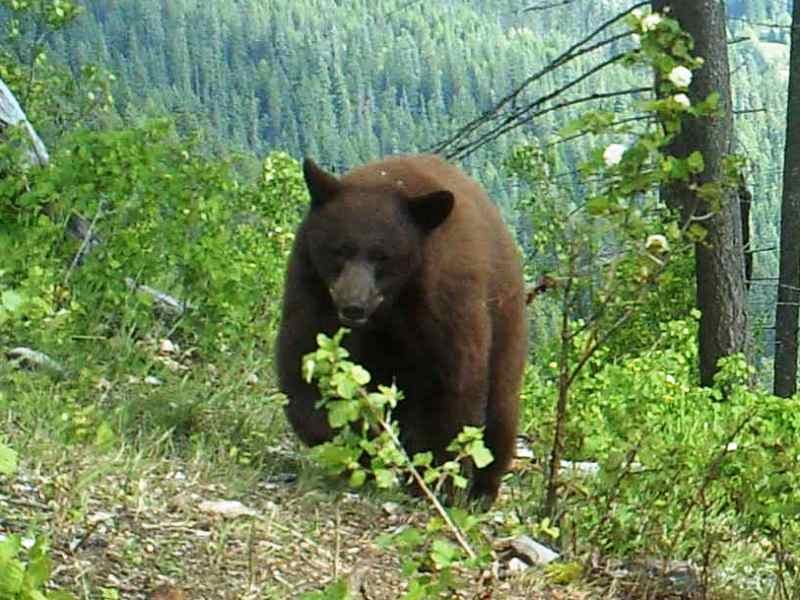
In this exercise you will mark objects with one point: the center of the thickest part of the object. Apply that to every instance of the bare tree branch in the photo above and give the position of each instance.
(546, 6)
(518, 116)
(528, 113)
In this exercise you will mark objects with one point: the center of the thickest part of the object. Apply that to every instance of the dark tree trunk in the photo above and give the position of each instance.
(745, 204)
(789, 276)
(719, 258)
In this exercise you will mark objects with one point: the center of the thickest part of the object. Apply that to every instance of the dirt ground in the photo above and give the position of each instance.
(127, 528)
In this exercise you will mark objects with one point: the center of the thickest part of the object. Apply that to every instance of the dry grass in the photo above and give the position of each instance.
(124, 526)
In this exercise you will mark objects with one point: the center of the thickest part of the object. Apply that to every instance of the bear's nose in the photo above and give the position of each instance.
(353, 313)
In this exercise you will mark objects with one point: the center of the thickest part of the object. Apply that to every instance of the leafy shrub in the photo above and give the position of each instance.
(166, 217)
(682, 473)
(367, 443)
(25, 565)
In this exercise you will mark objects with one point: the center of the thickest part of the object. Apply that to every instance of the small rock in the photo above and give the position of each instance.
(523, 450)
(252, 379)
(227, 508)
(100, 516)
(517, 565)
(166, 346)
(533, 551)
(390, 508)
(34, 358)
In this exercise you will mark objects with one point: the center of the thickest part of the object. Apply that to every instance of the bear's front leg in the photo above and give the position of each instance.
(304, 316)
(460, 361)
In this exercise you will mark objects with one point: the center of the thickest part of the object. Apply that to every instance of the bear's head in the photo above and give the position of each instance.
(366, 241)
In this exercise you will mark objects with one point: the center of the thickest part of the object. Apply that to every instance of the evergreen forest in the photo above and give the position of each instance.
(347, 82)
(144, 238)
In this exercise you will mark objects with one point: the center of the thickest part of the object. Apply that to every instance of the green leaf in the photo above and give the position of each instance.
(460, 481)
(8, 460)
(480, 454)
(410, 537)
(333, 456)
(443, 553)
(360, 375)
(37, 573)
(423, 459)
(336, 591)
(324, 342)
(9, 548)
(598, 205)
(712, 102)
(564, 573)
(104, 436)
(695, 162)
(11, 301)
(696, 232)
(12, 575)
(385, 478)
(309, 366)
(357, 478)
(341, 412)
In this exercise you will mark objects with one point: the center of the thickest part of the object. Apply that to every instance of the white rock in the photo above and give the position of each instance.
(167, 347)
(535, 552)
(227, 508)
(517, 565)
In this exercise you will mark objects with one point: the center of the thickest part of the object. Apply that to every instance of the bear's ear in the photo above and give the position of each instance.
(322, 186)
(431, 210)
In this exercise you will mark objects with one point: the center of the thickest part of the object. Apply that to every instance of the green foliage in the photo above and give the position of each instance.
(616, 252)
(163, 213)
(8, 460)
(682, 473)
(56, 14)
(367, 443)
(25, 568)
(366, 430)
(23, 577)
(336, 591)
(167, 217)
(54, 97)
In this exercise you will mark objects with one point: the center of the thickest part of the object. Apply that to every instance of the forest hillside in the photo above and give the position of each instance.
(345, 82)
(151, 189)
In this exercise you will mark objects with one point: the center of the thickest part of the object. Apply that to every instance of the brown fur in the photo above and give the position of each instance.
(453, 335)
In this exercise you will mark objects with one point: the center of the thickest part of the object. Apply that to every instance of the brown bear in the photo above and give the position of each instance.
(413, 257)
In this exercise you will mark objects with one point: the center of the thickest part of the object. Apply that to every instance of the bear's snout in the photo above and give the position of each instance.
(355, 294)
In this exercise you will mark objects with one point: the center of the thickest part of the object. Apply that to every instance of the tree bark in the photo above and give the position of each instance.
(12, 114)
(719, 257)
(786, 311)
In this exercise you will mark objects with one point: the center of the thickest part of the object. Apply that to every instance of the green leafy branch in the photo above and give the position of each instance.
(364, 421)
